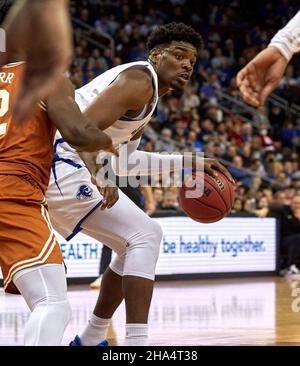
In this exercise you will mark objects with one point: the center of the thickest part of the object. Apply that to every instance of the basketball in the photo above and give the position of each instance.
(208, 199)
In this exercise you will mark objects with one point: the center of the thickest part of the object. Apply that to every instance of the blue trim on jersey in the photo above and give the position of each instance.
(57, 141)
(78, 227)
(56, 158)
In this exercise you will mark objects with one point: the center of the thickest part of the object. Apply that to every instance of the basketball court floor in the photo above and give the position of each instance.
(253, 311)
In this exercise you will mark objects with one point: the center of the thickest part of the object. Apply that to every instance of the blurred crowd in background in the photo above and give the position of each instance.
(259, 147)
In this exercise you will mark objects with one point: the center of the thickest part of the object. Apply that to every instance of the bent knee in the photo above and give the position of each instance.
(147, 239)
(154, 231)
(158, 230)
(60, 310)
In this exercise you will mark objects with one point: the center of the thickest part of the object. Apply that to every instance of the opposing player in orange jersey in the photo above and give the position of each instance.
(41, 30)
(30, 257)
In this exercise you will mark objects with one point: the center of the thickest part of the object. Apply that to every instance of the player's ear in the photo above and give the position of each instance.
(155, 55)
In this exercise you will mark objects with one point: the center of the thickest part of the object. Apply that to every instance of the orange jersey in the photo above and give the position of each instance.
(26, 148)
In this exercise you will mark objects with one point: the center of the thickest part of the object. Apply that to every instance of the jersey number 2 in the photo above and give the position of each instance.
(4, 105)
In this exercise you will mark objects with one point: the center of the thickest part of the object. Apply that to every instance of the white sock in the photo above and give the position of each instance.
(136, 335)
(95, 331)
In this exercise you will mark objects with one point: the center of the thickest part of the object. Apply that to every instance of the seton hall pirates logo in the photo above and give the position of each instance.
(85, 192)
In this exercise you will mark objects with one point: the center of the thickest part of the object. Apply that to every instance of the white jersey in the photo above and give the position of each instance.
(122, 130)
(287, 39)
(71, 197)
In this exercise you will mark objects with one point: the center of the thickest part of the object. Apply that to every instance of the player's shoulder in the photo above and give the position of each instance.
(138, 72)
(138, 78)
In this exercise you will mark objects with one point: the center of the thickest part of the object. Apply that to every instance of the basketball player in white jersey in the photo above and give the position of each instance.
(263, 74)
(121, 102)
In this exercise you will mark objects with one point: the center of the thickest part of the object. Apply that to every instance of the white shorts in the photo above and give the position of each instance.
(74, 205)
(71, 198)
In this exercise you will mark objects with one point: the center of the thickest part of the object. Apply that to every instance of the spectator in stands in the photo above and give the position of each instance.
(165, 144)
(295, 183)
(170, 203)
(237, 206)
(238, 172)
(249, 206)
(192, 143)
(208, 91)
(279, 198)
(262, 207)
(158, 195)
(190, 99)
(194, 126)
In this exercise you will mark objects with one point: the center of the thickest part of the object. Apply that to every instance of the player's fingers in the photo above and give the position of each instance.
(227, 174)
(108, 199)
(241, 76)
(246, 74)
(223, 170)
(104, 204)
(110, 196)
(249, 96)
(114, 197)
(210, 171)
(114, 151)
(266, 91)
(113, 202)
(254, 82)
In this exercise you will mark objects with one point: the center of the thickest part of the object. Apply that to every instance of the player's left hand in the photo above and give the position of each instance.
(106, 187)
(211, 166)
(110, 196)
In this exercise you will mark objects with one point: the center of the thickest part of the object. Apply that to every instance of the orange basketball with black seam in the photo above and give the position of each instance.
(213, 204)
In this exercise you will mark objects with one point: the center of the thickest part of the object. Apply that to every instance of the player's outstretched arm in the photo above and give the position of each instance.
(38, 32)
(72, 124)
(263, 74)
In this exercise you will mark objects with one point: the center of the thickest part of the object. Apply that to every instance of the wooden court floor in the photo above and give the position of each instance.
(257, 311)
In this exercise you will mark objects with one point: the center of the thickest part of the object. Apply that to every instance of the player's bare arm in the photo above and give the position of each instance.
(127, 95)
(72, 124)
(47, 22)
(208, 165)
(261, 76)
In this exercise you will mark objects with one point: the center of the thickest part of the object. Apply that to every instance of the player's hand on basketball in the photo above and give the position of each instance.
(212, 166)
(261, 76)
(38, 32)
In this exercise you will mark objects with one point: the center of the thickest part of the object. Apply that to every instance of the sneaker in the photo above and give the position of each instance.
(292, 272)
(77, 343)
(97, 283)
